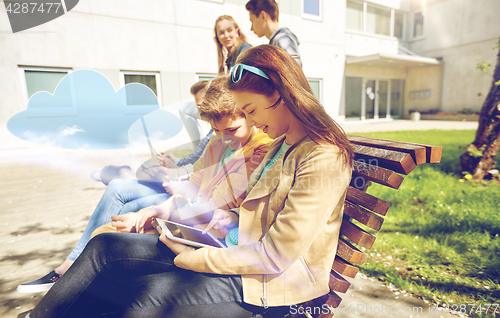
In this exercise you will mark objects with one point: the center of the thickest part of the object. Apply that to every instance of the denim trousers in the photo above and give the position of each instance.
(132, 275)
(121, 196)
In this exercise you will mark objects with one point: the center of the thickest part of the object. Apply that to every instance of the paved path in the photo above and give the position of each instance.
(398, 125)
(47, 197)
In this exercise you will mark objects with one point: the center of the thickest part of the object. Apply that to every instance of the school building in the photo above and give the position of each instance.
(365, 60)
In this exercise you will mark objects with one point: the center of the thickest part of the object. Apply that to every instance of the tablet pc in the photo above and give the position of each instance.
(190, 235)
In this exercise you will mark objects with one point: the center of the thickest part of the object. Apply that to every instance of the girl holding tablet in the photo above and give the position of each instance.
(288, 223)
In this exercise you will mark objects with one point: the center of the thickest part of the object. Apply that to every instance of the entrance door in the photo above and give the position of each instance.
(396, 95)
(373, 98)
(383, 102)
(370, 99)
(353, 97)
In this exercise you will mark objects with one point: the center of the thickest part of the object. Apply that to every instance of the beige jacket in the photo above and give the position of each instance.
(289, 228)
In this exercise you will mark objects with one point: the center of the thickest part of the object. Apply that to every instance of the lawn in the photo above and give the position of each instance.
(440, 239)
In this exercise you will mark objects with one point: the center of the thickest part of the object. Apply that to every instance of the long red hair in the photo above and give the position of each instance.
(286, 77)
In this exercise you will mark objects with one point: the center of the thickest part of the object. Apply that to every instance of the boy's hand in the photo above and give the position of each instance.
(172, 187)
(167, 160)
(172, 157)
(125, 222)
(223, 221)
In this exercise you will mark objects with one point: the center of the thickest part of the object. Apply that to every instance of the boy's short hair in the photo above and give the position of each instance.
(219, 101)
(198, 87)
(270, 7)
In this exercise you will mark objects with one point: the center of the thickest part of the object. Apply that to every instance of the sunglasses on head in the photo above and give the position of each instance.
(237, 71)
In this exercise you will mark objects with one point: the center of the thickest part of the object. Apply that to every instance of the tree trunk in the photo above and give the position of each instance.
(478, 158)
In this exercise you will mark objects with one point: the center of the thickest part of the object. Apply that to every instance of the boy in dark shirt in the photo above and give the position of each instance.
(264, 15)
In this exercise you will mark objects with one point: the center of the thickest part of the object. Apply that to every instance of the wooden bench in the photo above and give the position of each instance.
(383, 162)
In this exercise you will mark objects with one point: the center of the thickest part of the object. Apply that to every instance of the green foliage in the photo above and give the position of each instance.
(496, 46)
(441, 237)
(465, 111)
(497, 83)
(483, 67)
(474, 152)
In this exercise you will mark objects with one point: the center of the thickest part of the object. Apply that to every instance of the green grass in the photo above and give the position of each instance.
(441, 237)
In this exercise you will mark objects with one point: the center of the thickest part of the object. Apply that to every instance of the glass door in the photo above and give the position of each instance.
(370, 98)
(383, 87)
(397, 95)
(353, 97)
(373, 98)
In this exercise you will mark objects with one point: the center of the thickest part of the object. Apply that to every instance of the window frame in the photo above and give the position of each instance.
(380, 7)
(24, 83)
(392, 11)
(404, 28)
(157, 79)
(308, 16)
(320, 85)
(198, 75)
(413, 36)
(362, 16)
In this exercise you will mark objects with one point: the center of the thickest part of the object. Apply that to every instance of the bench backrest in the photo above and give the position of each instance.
(383, 162)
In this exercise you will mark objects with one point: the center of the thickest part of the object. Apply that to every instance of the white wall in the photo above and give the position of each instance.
(173, 37)
(463, 33)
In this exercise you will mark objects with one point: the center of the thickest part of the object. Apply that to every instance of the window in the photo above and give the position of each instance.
(399, 23)
(397, 93)
(150, 79)
(315, 84)
(353, 93)
(311, 9)
(418, 24)
(40, 79)
(354, 16)
(206, 77)
(378, 20)
(366, 17)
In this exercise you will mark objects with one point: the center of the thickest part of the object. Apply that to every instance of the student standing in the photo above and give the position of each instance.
(230, 42)
(264, 15)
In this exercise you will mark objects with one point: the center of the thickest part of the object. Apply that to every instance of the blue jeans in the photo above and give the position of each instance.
(132, 275)
(121, 196)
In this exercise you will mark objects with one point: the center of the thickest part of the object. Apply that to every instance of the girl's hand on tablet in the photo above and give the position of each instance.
(175, 247)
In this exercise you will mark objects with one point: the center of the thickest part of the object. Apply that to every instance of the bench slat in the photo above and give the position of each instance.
(315, 307)
(433, 153)
(418, 153)
(333, 300)
(349, 252)
(337, 283)
(365, 217)
(400, 162)
(343, 267)
(357, 234)
(376, 174)
(367, 201)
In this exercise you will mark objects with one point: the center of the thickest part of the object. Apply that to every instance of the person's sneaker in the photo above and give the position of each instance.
(39, 285)
(25, 314)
